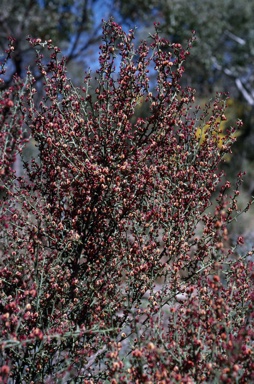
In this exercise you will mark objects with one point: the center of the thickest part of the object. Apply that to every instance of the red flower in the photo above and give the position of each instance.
(240, 240)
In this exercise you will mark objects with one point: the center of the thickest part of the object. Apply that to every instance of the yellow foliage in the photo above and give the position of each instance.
(218, 134)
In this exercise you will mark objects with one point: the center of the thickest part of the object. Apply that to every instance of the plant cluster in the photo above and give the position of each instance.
(115, 266)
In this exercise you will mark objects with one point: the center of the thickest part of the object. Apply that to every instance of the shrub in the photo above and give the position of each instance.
(115, 266)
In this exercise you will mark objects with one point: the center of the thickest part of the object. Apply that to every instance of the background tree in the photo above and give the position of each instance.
(224, 47)
(70, 24)
(224, 34)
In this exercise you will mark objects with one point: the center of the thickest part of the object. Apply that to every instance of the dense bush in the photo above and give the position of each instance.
(115, 265)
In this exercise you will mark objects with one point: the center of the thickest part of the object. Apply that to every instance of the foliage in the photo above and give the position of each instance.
(112, 269)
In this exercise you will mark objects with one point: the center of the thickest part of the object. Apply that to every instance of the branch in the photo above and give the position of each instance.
(237, 39)
(248, 97)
